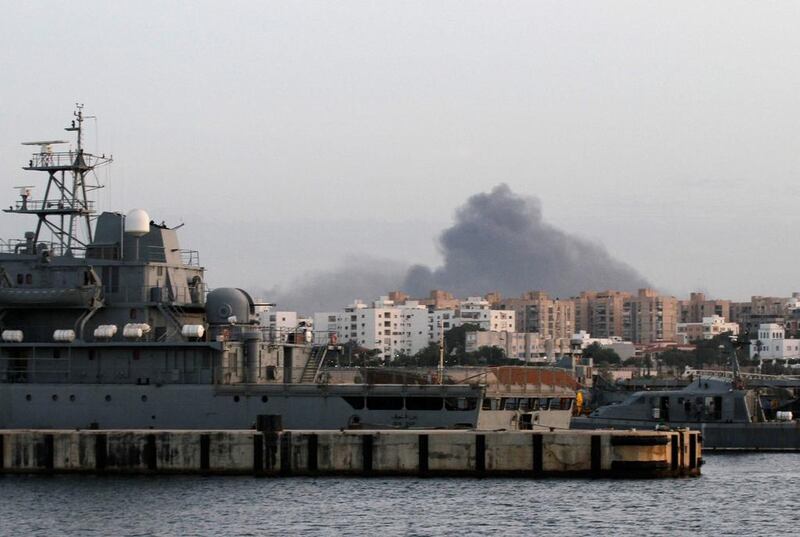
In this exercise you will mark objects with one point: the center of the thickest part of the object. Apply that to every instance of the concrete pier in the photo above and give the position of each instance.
(355, 452)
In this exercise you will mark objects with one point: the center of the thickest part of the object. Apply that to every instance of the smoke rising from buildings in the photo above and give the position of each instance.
(498, 242)
(357, 278)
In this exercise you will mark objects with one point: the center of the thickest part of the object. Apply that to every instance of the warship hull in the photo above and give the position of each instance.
(767, 436)
(172, 406)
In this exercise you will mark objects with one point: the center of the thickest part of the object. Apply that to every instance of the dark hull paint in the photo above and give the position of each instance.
(175, 406)
(771, 436)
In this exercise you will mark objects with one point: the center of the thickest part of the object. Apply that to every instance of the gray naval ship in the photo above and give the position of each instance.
(733, 410)
(105, 322)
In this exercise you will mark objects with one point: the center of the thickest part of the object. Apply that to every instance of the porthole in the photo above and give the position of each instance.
(108, 398)
(28, 397)
(55, 397)
(72, 397)
(264, 398)
(144, 399)
(235, 398)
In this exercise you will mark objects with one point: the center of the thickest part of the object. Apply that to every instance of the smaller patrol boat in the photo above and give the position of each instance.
(733, 410)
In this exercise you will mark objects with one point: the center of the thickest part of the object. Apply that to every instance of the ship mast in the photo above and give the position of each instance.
(65, 209)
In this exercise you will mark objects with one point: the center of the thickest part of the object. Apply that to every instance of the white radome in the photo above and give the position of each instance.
(137, 223)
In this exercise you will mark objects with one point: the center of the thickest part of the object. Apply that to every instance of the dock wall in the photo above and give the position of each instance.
(359, 453)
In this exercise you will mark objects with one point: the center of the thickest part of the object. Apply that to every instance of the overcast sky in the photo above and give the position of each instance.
(292, 136)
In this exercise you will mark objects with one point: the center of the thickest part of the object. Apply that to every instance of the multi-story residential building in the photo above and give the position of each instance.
(536, 312)
(478, 311)
(763, 310)
(699, 307)
(624, 349)
(439, 300)
(280, 323)
(649, 317)
(600, 312)
(494, 298)
(772, 344)
(383, 326)
(792, 323)
(529, 347)
(475, 311)
(706, 329)
(407, 328)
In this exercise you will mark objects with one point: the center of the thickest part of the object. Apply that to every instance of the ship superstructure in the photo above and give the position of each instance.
(105, 321)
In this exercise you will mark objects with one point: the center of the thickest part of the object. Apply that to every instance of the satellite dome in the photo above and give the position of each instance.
(137, 223)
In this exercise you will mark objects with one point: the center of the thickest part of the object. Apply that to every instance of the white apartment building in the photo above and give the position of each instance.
(525, 346)
(408, 328)
(773, 345)
(279, 324)
(624, 349)
(707, 329)
(383, 326)
(475, 311)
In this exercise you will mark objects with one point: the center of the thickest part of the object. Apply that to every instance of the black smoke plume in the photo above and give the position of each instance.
(499, 242)
(359, 277)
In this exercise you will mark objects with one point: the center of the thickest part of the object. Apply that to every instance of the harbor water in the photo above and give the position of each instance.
(745, 494)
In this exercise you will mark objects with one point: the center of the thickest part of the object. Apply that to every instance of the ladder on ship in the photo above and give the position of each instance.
(173, 313)
(314, 364)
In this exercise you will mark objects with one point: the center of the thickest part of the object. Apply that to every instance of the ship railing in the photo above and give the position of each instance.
(730, 375)
(62, 370)
(290, 336)
(23, 246)
(55, 206)
(41, 337)
(45, 366)
(264, 374)
(63, 160)
(179, 295)
(158, 254)
(190, 258)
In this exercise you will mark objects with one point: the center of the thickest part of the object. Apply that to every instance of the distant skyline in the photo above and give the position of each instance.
(298, 138)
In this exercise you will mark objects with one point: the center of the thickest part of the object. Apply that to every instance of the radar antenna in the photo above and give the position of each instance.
(64, 208)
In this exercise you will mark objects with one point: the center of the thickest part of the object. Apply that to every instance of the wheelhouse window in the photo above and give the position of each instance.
(355, 402)
(384, 403)
(424, 403)
(460, 403)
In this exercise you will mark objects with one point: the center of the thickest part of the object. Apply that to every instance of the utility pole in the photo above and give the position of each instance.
(441, 350)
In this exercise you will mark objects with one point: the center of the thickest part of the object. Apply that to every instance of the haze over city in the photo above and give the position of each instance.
(311, 143)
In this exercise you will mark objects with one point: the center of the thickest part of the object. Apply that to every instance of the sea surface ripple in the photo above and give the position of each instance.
(745, 494)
